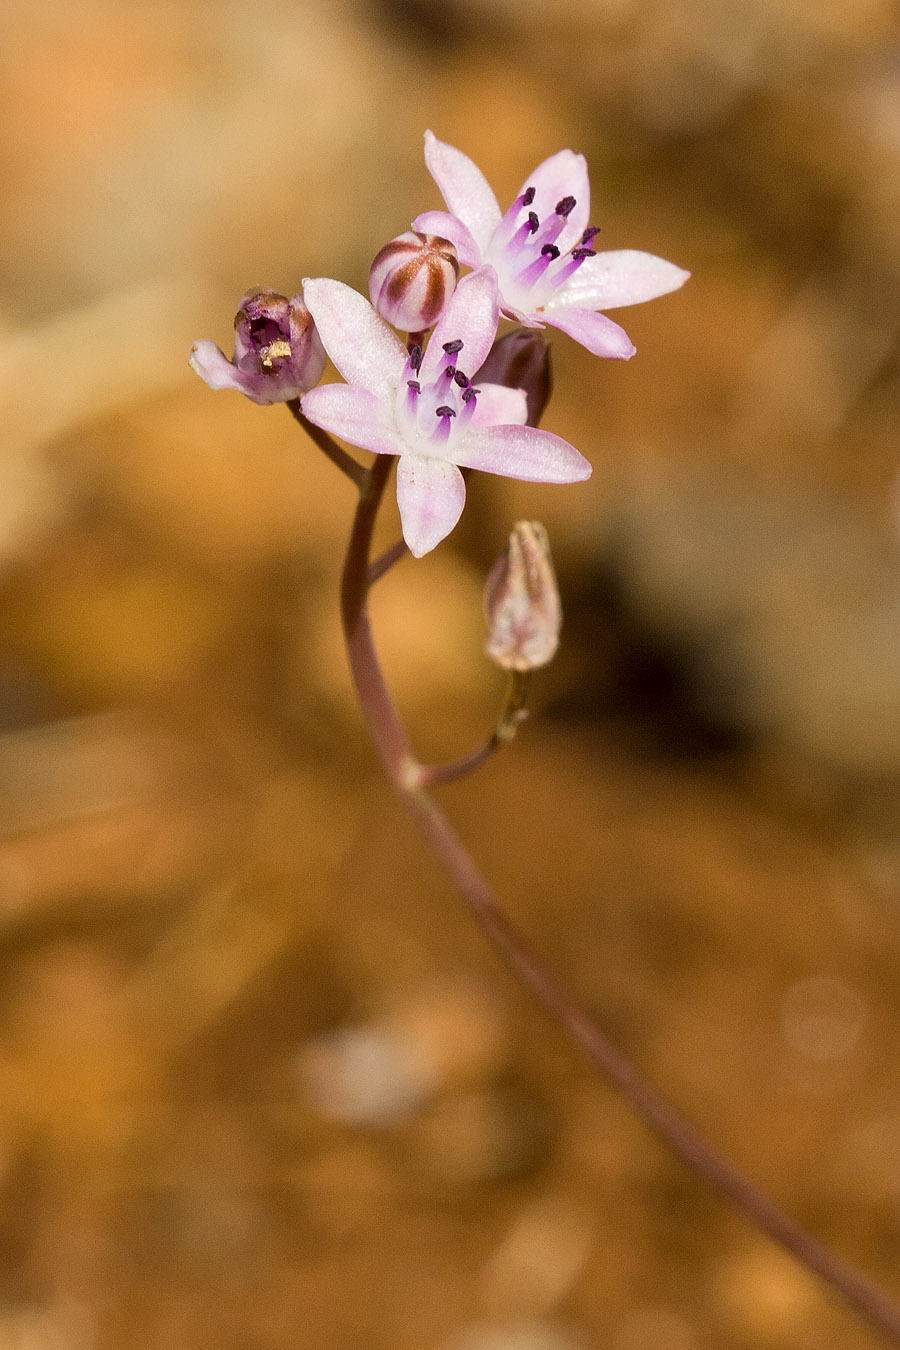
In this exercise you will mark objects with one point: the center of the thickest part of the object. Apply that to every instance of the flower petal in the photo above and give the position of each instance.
(596, 332)
(212, 365)
(499, 405)
(365, 350)
(464, 188)
(528, 453)
(471, 316)
(452, 228)
(623, 277)
(564, 174)
(431, 494)
(353, 414)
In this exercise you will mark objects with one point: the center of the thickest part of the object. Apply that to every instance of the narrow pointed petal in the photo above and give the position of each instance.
(596, 332)
(623, 277)
(353, 414)
(212, 365)
(450, 227)
(464, 188)
(496, 404)
(365, 350)
(528, 453)
(564, 174)
(431, 494)
(472, 315)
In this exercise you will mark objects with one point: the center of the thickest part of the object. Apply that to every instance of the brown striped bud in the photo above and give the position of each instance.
(521, 601)
(412, 278)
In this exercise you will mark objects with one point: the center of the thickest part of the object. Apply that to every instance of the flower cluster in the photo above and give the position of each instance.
(438, 404)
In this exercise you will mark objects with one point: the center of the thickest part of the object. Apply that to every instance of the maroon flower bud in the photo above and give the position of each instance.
(521, 360)
(278, 354)
(521, 601)
(412, 278)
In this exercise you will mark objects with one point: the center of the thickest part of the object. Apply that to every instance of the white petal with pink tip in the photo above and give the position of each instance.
(365, 350)
(431, 495)
(622, 277)
(464, 188)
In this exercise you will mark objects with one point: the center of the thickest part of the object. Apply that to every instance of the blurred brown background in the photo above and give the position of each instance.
(261, 1084)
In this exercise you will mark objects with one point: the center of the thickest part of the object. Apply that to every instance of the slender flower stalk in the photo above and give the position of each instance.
(406, 774)
(511, 716)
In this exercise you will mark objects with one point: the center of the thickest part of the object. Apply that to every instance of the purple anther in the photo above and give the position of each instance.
(589, 233)
(565, 206)
(533, 221)
(550, 251)
(451, 348)
(414, 386)
(444, 411)
(528, 196)
(461, 379)
(415, 357)
(469, 394)
(583, 253)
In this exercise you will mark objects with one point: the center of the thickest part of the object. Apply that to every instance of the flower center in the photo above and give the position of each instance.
(525, 255)
(433, 413)
(269, 342)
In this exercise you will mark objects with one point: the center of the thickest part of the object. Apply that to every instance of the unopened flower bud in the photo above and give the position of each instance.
(278, 354)
(521, 601)
(412, 278)
(521, 360)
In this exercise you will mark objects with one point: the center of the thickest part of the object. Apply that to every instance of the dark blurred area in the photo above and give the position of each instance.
(261, 1084)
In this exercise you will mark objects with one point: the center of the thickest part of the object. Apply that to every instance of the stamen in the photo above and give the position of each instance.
(440, 433)
(412, 398)
(461, 379)
(589, 233)
(469, 404)
(571, 265)
(532, 274)
(507, 225)
(518, 241)
(451, 348)
(415, 357)
(565, 206)
(553, 226)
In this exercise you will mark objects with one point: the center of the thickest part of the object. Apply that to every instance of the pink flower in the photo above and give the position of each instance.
(423, 406)
(542, 249)
(277, 352)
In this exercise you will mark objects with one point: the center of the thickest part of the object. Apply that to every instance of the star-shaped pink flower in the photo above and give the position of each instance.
(423, 407)
(542, 249)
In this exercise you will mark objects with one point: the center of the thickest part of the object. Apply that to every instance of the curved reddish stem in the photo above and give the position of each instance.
(393, 744)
